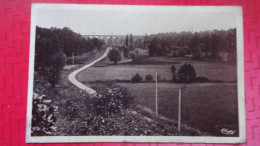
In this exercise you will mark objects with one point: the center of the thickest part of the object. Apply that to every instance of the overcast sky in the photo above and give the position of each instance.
(138, 20)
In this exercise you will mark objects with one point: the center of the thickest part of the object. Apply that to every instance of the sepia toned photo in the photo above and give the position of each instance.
(113, 73)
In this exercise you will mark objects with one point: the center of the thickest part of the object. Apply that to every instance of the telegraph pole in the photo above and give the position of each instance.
(156, 95)
(179, 113)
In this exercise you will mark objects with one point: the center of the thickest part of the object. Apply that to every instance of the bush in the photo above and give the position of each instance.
(186, 73)
(111, 100)
(57, 62)
(43, 116)
(126, 51)
(202, 79)
(137, 52)
(148, 78)
(49, 59)
(114, 55)
(132, 55)
(173, 69)
(136, 78)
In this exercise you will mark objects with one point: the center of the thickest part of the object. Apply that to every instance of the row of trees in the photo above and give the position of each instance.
(204, 44)
(64, 39)
(54, 45)
(185, 74)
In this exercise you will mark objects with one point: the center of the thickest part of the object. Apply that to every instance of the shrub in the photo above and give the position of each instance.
(56, 63)
(186, 74)
(149, 78)
(111, 100)
(114, 56)
(136, 78)
(126, 51)
(202, 79)
(137, 52)
(132, 55)
(43, 116)
(49, 60)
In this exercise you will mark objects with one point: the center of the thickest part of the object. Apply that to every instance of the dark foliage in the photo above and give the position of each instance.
(137, 78)
(201, 45)
(126, 51)
(173, 70)
(202, 79)
(49, 59)
(66, 40)
(114, 55)
(112, 99)
(186, 74)
(148, 78)
(126, 40)
(43, 116)
(54, 45)
(132, 55)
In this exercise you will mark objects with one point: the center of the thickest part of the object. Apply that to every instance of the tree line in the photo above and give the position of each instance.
(201, 45)
(68, 41)
(54, 45)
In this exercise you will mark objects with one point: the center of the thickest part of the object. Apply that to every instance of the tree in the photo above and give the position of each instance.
(197, 53)
(126, 40)
(215, 46)
(158, 49)
(55, 63)
(149, 78)
(186, 73)
(173, 69)
(131, 39)
(132, 55)
(126, 51)
(136, 78)
(152, 47)
(114, 55)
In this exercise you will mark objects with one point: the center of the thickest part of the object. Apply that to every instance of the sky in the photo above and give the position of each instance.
(138, 20)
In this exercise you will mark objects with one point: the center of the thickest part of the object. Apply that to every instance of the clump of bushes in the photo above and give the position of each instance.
(137, 78)
(111, 100)
(186, 74)
(148, 78)
(43, 116)
(114, 55)
(132, 55)
(49, 58)
(202, 79)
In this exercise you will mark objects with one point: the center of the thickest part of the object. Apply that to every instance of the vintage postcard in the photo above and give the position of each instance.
(114, 73)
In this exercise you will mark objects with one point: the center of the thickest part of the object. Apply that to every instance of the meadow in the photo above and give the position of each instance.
(208, 107)
(162, 65)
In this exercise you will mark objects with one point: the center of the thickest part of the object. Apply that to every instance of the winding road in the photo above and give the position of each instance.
(72, 76)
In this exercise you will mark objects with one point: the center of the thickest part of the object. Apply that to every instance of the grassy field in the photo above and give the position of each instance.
(212, 70)
(208, 107)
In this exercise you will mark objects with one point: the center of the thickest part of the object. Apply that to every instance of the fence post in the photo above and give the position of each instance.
(156, 95)
(179, 113)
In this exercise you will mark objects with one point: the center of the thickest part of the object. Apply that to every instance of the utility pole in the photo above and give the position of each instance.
(156, 95)
(179, 113)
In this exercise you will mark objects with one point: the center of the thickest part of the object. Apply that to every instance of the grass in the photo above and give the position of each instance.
(206, 107)
(76, 115)
(211, 70)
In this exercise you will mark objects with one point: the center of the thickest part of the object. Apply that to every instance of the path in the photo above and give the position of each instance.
(72, 76)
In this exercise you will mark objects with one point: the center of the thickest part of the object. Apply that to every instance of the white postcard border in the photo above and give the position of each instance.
(182, 139)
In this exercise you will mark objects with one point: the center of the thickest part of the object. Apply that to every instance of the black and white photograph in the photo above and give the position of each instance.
(121, 73)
